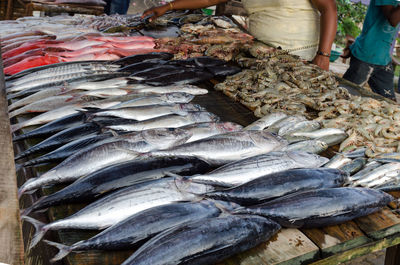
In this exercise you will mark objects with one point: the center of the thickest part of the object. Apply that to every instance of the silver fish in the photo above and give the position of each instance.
(109, 83)
(354, 166)
(189, 89)
(207, 129)
(310, 146)
(156, 99)
(337, 161)
(45, 93)
(224, 148)
(302, 126)
(242, 171)
(378, 173)
(266, 121)
(168, 121)
(328, 135)
(290, 120)
(367, 168)
(111, 151)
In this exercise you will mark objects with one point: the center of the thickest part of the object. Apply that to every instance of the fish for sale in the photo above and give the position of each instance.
(31, 62)
(280, 184)
(330, 136)
(75, 45)
(135, 229)
(367, 168)
(311, 146)
(108, 83)
(224, 70)
(354, 166)
(129, 60)
(392, 177)
(302, 126)
(117, 150)
(206, 241)
(288, 121)
(156, 99)
(188, 77)
(123, 203)
(156, 71)
(245, 170)
(266, 121)
(148, 112)
(168, 121)
(22, 56)
(377, 173)
(46, 93)
(224, 148)
(189, 89)
(129, 39)
(140, 66)
(207, 129)
(121, 175)
(324, 207)
(338, 161)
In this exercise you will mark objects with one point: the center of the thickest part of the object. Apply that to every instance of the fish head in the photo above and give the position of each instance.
(228, 127)
(307, 159)
(203, 116)
(266, 139)
(166, 137)
(320, 145)
(179, 97)
(191, 107)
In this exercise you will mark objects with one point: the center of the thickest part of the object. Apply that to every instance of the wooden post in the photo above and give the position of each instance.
(9, 13)
(11, 246)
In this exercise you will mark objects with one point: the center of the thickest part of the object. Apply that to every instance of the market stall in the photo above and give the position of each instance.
(258, 82)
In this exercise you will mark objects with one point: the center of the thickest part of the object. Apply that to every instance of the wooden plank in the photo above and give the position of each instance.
(380, 224)
(289, 246)
(337, 238)
(360, 251)
(392, 255)
(12, 249)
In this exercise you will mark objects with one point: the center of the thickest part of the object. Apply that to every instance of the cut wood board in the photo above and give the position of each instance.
(337, 238)
(289, 246)
(380, 224)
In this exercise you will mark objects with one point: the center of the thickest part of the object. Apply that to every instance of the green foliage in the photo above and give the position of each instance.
(350, 18)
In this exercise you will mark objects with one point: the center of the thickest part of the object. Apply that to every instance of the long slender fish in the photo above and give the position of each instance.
(242, 171)
(123, 203)
(205, 242)
(266, 121)
(323, 206)
(281, 183)
(224, 148)
(135, 229)
(120, 149)
(120, 175)
(207, 129)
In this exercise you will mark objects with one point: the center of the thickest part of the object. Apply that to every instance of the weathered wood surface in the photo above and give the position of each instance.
(12, 249)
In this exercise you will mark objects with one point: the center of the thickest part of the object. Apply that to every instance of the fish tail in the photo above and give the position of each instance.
(24, 188)
(33, 207)
(39, 227)
(18, 166)
(16, 127)
(64, 250)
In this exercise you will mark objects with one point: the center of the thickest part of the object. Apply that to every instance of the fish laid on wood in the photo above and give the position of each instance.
(242, 171)
(207, 129)
(224, 148)
(123, 203)
(311, 146)
(281, 183)
(205, 242)
(322, 207)
(266, 121)
(118, 176)
(117, 150)
(377, 173)
(135, 229)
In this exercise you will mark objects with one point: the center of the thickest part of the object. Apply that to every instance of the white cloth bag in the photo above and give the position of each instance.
(292, 25)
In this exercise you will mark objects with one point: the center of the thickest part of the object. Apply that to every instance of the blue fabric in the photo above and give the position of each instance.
(373, 44)
(119, 7)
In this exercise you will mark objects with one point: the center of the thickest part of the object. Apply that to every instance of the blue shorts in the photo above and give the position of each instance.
(379, 77)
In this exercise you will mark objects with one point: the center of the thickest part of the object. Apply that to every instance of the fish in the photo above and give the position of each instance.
(156, 99)
(60, 113)
(138, 227)
(329, 206)
(121, 204)
(68, 149)
(367, 168)
(207, 61)
(303, 126)
(224, 70)
(311, 146)
(22, 56)
(189, 89)
(379, 172)
(288, 121)
(86, 2)
(116, 150)
(168, 121)
(331, 136)
(138, 58)
(31, 62)
(155, 71)
(355, 165)
(46, 93)
(253, 167)
(148, 112)
(29, 45)
(188, 77)
(207, 129)
(392, 177)
(205, 241)
(224, 148)
(75, 45)
(140, 66)
(266, 121)
(281, 183)
(131, 39)
(338, 161)
(94, 85)
(124, 174)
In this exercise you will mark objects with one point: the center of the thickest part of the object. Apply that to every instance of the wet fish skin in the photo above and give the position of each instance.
(189, 89)
(367, 168)
(328, 135)
(280, 184)
(377, 173)
(354, 166)
(242, 171)
(143, 58)
(207, 129)
(288, 121)
(35, 97)
(188, 77)
(325, 207)
(311, 146)
(123, 203)
(337, 161)
(205, 242)
(118, 176)
(302, 126)
(129, 232)
(156, 99)
(224, 148)
(119, 149)
(266, 121)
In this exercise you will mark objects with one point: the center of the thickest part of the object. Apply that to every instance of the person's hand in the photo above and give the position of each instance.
(155, 12)
(321, 61)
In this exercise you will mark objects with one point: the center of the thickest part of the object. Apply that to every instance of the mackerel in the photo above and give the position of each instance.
(302, 126)
(266, 121)
(207, 129)
(117, 150)
(310, 146)
(242, 171)
(367, 168)
(290, 120)
(338, 161)
(354, 166)
(378, 173)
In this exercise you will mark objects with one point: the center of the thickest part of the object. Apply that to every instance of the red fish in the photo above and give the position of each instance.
(28, 46)
(133, 45)
(22, 56)
(30, 62)
(120, 39)
(75, 45)
(129, 52)
(21, 34)
(83, 51)
(101, 56)
(16, 44)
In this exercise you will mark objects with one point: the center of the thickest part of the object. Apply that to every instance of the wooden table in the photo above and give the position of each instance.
(328, 245)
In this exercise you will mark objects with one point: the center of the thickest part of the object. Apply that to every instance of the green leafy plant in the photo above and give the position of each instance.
(350, 18)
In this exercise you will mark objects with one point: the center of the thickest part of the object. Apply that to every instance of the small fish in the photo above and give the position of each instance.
(367, 168)
(302, 126)
(310, 146)
(378, 173)
(266, 121)
(337, 161)
(354, 166)
(290, 120)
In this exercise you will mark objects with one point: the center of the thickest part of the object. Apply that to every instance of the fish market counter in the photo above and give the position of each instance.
(329, 245)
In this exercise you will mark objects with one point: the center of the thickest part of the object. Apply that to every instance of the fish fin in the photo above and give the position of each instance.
(22, 190)
(223, 209)
(18, 167)
(15, 127)
(64, 250)
(171, 174)
(39, 227)
(114, 133)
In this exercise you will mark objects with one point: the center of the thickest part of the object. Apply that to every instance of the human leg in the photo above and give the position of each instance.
(359, 72)
(381, 81)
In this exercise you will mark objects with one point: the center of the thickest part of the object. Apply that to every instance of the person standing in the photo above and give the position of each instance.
(303, 27)
(370, 53)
